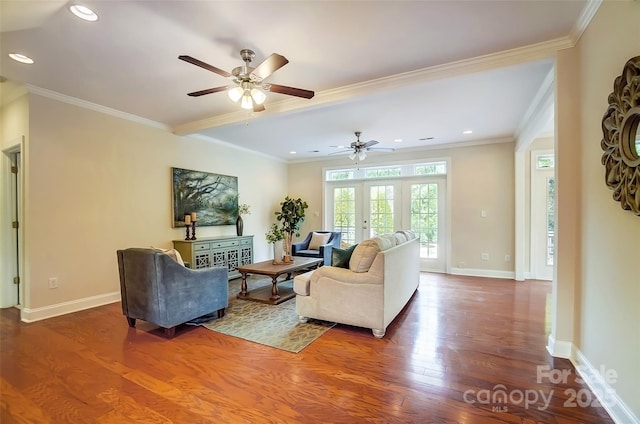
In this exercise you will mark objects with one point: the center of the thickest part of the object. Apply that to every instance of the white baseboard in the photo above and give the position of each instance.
(37, 314)
(491, 273)
(559, 349)
(603, 391)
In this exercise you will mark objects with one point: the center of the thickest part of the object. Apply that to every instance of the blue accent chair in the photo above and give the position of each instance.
(323, 251)
(157, 289)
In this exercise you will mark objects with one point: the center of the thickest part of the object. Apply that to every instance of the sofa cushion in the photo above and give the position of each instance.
(364, 255)
(409, 234)
(385, 241)
(400, 237)
(318, 239)
(341, 257)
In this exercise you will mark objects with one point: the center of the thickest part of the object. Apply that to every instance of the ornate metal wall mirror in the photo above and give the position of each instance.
(621, 142)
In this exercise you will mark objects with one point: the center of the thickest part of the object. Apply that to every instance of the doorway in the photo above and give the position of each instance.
(10, 292)
(365, 209)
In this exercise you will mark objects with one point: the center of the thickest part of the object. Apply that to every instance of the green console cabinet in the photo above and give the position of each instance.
(227, 251)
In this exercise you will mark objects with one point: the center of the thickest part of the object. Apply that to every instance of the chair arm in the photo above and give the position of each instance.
(296, 247)
(326, 253)
(186, 293)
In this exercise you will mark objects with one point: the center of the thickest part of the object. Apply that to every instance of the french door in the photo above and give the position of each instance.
(365, 209)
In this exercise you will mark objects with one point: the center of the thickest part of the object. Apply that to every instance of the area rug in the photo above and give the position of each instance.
(272, 325)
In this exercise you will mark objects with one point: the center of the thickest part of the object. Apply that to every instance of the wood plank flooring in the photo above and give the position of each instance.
(447, 357)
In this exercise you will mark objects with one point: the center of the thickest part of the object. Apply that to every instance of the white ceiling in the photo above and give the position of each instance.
(391, 69)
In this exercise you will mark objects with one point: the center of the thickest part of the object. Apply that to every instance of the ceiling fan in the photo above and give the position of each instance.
(359, 149)
(249, 85)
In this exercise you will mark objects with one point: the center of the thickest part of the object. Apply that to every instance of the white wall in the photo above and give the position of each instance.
(608, 300)
(98, 183)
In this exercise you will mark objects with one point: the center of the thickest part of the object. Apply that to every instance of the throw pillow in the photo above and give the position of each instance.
(363, 256)
(172, 253)
(340, 257)
(318, 239)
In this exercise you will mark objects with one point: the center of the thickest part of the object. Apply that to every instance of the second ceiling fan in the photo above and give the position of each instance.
(359, 148)
(249, 81)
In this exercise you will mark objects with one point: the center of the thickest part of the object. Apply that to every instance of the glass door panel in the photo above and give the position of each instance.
(425, 216)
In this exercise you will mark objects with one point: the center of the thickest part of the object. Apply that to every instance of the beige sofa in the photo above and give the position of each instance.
(382, 276)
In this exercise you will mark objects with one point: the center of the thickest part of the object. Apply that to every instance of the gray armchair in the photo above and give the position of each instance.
(305, 248)
(157, 289)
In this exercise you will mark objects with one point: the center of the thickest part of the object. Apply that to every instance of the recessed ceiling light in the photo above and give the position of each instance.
(398, 140)
(83, 12)
(21, 58)
(293, 152)
(467, 132)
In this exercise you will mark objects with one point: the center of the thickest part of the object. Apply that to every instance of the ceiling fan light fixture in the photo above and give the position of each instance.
(352, 156)
(235, 93)
(362, 155)
(247, 103)
(258, 96)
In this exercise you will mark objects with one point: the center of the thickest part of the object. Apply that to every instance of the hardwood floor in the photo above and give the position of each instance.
(446, 358)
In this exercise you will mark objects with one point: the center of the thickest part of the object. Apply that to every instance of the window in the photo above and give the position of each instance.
(424, 217)
(346, 174)
(382, 172)
(545, 162)
(381, 209)
(344, 213)
(435, 168)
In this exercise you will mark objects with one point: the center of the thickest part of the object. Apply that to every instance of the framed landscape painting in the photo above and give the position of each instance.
(213, 197)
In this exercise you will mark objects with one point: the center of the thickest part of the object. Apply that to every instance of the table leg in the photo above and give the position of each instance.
(274, 288)
(243, 286)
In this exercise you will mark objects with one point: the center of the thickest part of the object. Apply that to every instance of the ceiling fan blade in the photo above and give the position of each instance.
(291, 91)
(257, 107)
(340, 152)
(206, 66)
(381, 149)
(207, 91)
(370, 143)
(270, 65)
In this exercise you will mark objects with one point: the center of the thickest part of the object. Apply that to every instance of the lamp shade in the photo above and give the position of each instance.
(247, 103)
(352, 156)
(258, 96)
(362, 155)
(235, 93)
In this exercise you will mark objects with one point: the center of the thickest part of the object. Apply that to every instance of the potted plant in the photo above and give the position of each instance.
(291, 215)
(275, 235)
(243, 209)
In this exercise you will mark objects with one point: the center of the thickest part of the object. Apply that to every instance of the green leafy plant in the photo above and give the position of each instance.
(274, 234)
(244, 209)
(291, 215)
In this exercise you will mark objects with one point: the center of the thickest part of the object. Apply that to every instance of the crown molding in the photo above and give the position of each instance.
(587, 14)
(93, 106)
(462, 67)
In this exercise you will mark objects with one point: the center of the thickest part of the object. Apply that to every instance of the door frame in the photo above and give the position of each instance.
(359, 188)
(13, 239)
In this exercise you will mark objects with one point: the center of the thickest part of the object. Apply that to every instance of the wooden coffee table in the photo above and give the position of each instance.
(272, 270)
